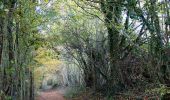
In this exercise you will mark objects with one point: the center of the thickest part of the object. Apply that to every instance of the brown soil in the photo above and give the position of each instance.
(50, 95)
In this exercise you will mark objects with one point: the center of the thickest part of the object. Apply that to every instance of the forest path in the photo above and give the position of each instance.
(54, 94)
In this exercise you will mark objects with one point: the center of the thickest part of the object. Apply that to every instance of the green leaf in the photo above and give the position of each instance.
(6, 10)
(46, 1)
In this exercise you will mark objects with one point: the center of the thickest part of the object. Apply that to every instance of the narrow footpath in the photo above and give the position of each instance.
(51, 95)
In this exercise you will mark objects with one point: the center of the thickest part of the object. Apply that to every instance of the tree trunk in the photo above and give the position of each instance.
(112, 13)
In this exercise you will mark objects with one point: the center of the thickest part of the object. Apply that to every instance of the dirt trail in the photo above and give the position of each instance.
(57, 94)
(50, 95)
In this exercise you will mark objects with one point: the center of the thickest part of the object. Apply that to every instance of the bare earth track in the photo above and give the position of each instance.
(50, 95)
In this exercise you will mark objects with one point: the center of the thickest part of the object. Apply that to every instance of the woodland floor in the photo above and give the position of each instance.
(58, 94)
(50, 95)
(53, 94)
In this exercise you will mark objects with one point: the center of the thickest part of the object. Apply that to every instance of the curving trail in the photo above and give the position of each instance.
(50, 95)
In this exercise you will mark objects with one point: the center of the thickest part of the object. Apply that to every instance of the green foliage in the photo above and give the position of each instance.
(47, 63)
(162, 90)
(97, 33)
(3, 95)
(74, 91)
(19, 31)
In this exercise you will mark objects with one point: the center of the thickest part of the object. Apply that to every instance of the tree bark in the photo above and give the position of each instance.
(112, 14)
